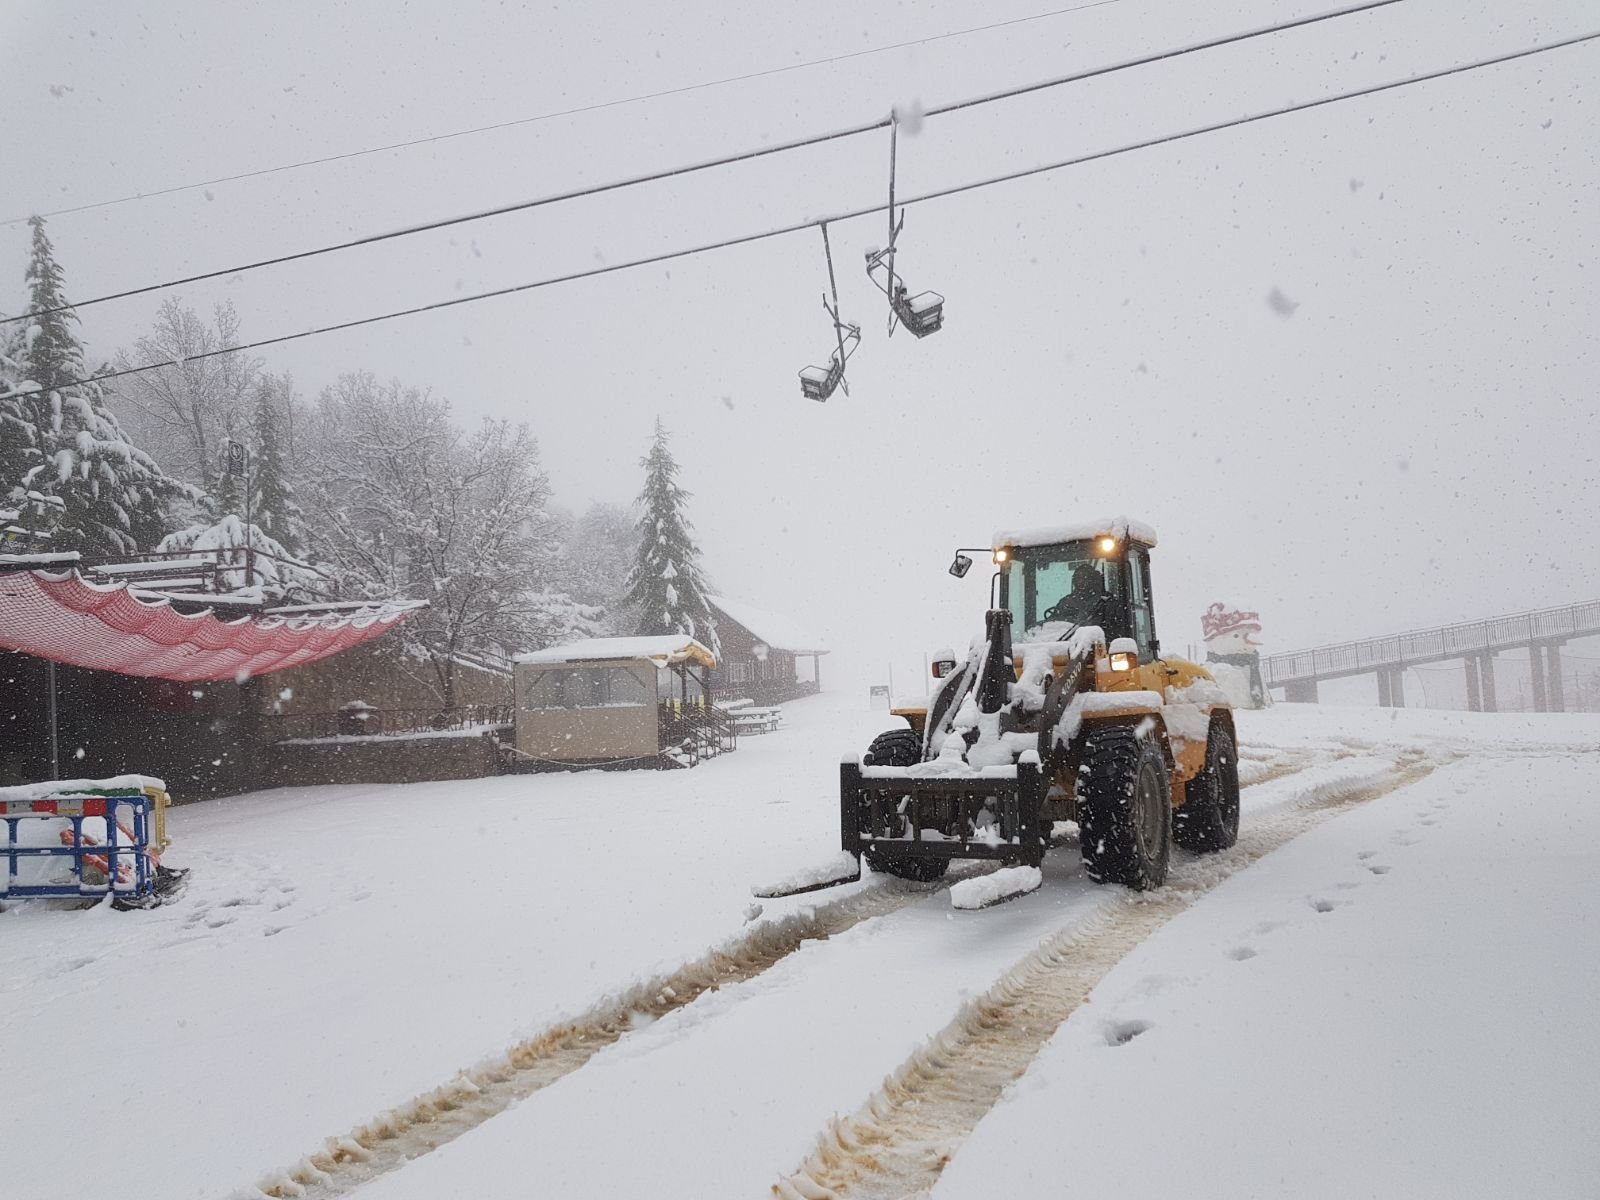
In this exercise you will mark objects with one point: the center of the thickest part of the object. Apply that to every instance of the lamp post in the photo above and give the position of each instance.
(239, 464)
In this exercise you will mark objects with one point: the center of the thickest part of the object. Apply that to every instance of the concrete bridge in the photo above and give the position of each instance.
(1541, 632)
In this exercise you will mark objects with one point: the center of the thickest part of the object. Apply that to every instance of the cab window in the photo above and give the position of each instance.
(1051, 589)
(1144, 625)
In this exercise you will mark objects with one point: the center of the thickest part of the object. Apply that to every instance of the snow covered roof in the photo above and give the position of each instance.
(776, 631)
(1118, 527)
(57, 558)
(662, 650)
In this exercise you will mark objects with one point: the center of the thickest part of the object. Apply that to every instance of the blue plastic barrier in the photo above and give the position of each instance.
(120, 865)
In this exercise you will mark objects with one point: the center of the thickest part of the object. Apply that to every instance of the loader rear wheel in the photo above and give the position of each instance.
(1124, 809)
(1208, 819)
(901, 748)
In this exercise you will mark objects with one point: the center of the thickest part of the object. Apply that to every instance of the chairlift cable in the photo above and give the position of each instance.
(704, 165)
(566, 112)
(745, 239)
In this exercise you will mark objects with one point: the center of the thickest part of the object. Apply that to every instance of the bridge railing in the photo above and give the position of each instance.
(1431, 645)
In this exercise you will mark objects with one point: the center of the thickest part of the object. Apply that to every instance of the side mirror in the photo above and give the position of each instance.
(944, 663)
(961, 566)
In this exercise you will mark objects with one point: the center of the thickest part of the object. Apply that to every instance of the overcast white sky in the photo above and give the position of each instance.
(1414, 444)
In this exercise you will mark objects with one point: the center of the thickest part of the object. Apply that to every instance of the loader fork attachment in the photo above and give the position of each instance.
(886, 811)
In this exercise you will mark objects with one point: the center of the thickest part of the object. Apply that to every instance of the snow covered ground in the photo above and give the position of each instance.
(343, 951)
(1399, 1003)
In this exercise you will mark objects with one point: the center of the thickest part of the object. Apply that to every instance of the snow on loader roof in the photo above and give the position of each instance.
(663, 650)
(1118, 527)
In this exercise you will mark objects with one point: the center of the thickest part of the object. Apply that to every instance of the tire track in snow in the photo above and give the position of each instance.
(900, 1141)
(442, 1114)
(426, 1122)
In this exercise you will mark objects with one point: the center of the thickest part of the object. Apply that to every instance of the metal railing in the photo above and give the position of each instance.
(700, 731)
(387, 721)
(1433, 645)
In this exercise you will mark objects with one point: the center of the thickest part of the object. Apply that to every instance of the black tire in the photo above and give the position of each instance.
(916, 869)
(901, 748)
(1208, 819)
(1124, 809)
(896, 748)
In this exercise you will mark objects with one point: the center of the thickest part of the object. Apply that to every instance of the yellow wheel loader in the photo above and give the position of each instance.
(1066, 710)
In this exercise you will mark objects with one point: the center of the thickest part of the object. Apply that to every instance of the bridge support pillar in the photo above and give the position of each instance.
(1553, 684)
(1391, 687)
(1536, 670)
(1486, 679)
(1301, 691)
(1474, 697)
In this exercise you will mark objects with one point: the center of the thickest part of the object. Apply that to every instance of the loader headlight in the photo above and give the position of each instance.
(1124, 654)
(1106, 545)
(1002, 556)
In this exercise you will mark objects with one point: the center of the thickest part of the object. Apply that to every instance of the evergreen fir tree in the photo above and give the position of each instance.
(226, 497)
(71, 444)
(273, 506)
(667, 588)
(19, 449)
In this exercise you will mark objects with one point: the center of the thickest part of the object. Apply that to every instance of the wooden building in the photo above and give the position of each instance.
(764, 655)
(622, 702)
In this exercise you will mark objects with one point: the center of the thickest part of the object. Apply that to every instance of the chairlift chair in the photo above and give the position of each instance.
(818, 383)
(923, 313)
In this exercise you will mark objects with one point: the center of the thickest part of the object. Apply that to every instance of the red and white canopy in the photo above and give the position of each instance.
(109, 627)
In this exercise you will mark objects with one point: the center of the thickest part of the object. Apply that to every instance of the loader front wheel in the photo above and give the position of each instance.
(1124, 809)
(896, 748)
(918, 870)
(1208, 819)
(901, 748)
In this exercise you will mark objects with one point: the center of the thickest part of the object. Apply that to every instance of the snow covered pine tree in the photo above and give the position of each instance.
(667, 588)
(272, 503)
(68, 443)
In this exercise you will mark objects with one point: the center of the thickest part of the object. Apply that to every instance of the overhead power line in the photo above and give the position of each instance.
(956, 189)
(726, 160)
(598, 106)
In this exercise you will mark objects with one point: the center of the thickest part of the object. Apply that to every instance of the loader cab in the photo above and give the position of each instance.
(1051, 587)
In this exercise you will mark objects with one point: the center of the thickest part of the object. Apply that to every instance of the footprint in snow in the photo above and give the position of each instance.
(1379, 868)
(1242, 953)
(1323, 905)
(1120, 1033)
(1363, 855)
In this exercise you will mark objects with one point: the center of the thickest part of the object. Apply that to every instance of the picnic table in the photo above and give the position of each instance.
(748, 718)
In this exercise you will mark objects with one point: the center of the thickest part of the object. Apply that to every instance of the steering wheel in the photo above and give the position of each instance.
(1058, 611)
